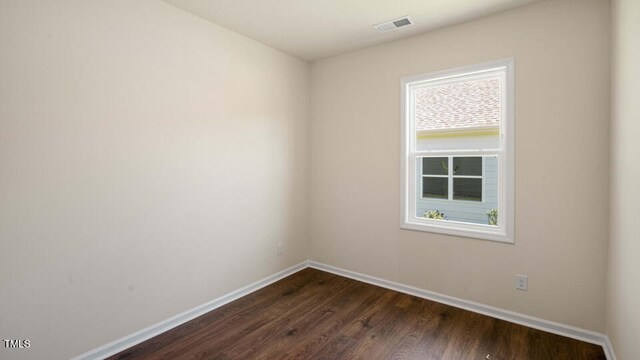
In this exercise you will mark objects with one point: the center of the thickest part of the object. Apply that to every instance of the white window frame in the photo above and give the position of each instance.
(505, 153)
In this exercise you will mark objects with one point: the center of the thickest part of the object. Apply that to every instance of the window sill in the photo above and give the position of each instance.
(483, 232)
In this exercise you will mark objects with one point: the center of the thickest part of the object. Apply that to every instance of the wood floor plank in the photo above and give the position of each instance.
(222, 318)
(317, 315)
(288, 328)
(368, 315)
(257, 325)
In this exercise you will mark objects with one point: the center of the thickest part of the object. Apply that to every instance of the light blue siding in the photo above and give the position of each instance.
(462, 210)
(460, 143)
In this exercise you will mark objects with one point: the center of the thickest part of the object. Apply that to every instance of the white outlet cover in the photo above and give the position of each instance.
(522, 282)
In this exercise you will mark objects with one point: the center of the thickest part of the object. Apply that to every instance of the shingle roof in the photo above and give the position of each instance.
(468, 104)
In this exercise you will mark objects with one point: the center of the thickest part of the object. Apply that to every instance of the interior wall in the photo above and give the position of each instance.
(623, 295)
(561, 51)
(150, 161)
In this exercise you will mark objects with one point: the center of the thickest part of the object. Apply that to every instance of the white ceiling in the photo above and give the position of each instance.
(315, 29)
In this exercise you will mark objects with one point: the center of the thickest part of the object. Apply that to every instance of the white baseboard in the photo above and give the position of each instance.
(608, 349)
(128, 341)
(526, 320)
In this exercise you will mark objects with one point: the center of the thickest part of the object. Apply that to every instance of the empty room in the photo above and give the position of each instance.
(339, 179)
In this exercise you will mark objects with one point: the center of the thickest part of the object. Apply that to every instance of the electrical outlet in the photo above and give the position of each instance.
(280, 249)
(522, 282)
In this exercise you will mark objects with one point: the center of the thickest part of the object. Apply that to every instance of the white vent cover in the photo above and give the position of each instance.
(393, 24)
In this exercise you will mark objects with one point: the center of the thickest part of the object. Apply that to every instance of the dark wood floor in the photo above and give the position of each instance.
(316, 315)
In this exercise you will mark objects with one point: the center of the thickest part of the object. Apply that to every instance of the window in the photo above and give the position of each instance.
(458, 152)
(460, 174)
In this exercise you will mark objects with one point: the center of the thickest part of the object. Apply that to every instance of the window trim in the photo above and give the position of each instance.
(505, 231)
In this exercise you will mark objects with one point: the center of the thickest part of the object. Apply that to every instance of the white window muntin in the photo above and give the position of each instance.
(450, 178)
(504, 153)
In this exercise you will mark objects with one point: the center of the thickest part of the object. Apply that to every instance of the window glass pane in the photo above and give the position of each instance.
(470, 108)
(435, 166)
(467, 166)
(435, 187)
(467, 189)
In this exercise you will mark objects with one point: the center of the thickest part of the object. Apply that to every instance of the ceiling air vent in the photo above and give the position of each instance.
(393, 24)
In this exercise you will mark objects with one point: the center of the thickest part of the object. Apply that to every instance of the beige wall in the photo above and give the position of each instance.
(623, 295)
(150, 161)
(561, 51)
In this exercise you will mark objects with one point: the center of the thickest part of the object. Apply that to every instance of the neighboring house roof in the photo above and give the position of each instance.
(463, 105)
